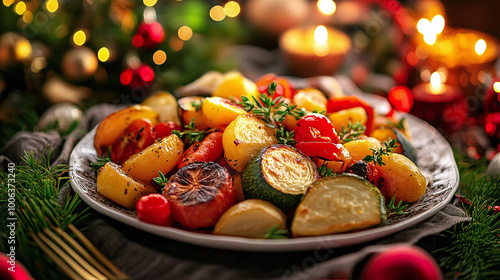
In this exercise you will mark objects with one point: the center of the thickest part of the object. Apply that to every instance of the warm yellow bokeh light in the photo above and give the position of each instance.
(232, 9)
(435, 79)
(20, 8)
(320, 34)
(496, 86)
(149, 3)
(480, 46)
(437, 23)
(28, 17)
(217, 13)
(327, 7)
(185, 33)
(52, 6)
(7, 3)
(23, 49)
(79, 37)
(103, 54)
(159, 57)
(423, 26)
(430, 38)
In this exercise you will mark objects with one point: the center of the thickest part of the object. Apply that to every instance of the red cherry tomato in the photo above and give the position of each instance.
(347, 102)
(154, 209)
(164, 129)
(138, 135)
(315, 128)
(283, 88)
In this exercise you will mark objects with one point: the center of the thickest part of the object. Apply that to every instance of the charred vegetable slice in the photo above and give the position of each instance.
(199, 193)
(115, 184)
(250, 218)
(279, 174)
(338, 204)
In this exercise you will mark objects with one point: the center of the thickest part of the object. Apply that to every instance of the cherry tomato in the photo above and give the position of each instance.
(283, 87)
(347, 102)
(154, 209)
(138, 135)
(165, 129)
(315, 128)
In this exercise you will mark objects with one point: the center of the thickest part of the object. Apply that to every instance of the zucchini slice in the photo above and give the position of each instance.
(250, 218)
(279, 174)
(338, 204)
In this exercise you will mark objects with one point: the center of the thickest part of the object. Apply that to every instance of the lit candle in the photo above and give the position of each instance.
(314, 51)
(442, 105)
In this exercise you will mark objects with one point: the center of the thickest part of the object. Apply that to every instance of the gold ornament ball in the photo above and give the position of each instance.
(14, 48)
(79, 64)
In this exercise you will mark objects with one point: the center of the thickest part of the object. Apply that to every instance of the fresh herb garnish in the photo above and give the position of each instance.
(378, 153)
(351, 132)
(275, 233)
(101, 161)
(324, 171)
(401, 124)
(160, 181)
(196, 105)
(272, 110)
(191, 134)
(396, 209)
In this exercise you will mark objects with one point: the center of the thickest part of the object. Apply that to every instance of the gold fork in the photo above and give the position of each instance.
(72, 257)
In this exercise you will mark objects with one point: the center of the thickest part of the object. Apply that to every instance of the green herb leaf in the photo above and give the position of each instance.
(395, 209)
(196, 105)
(275, 233)
(376, 157)
(191, 134)
(101, 161)
(161, 180)
(324, 171)
(351, 132)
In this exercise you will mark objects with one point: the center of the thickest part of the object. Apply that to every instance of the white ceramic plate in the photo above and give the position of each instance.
(435, 160)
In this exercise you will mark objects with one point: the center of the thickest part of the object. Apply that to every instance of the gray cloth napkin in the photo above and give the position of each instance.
(145, 256)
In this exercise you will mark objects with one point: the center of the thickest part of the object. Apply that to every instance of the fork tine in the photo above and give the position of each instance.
(97, 253)
(76, 246)
(75, 266)
(74, 255)
(65, 268)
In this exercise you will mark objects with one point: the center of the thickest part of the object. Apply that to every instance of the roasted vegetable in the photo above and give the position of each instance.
(118, 186)
(190, 108)
(207, 150)
(154, 209)
(284, 88)
(315, 128)
(138, 135)
(347, 102)
(243, 138)
(341, 118)
(404, 146)
(310, 99)
(234, 85)
(338, 204)
(250, 218)
(164, 129)
(220, 111)
(360, 148)
(199, 193)
(161, 156)
(165, 104)
(401, 178)
(279, 174)
(113, 126)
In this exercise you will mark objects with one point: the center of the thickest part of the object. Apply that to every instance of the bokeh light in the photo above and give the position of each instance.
(185, 33)
(20, 8)
(480, 46)
(79, 38)
(103, 54)
(232, 9)
(159, 57)
(52, 6)
(217, 13)
(149, 3)
(327, 7)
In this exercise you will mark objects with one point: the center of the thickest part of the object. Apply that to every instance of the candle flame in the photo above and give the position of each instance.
(480, 46)
(496, 87)
(327, 7)
(423, 26)
(320, 34)
(435, 79)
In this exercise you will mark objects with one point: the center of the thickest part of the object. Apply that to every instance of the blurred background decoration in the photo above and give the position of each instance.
(120, 51)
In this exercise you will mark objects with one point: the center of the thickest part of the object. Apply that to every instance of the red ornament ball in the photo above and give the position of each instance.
(148, 36)
(142, 77)
(492, 97)
(401, 98)
(402, 263)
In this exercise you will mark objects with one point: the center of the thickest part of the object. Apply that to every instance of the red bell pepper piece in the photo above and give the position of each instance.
(283, 88)
(315, 128)
(164, 129)
(347, 102)
(138, 135)
(323, 150)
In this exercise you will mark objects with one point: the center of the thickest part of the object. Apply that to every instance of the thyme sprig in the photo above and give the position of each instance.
(351, 132)
(394, 208)
(275, 233)
(273, 110)
(376, 157)
(324, 171)
(191, 134)
(101, 161)
(196, 105)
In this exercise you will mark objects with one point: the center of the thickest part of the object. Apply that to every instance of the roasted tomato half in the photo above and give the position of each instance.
(138, 135)
(199, 193)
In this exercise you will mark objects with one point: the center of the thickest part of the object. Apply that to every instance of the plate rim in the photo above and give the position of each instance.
(266, 245)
